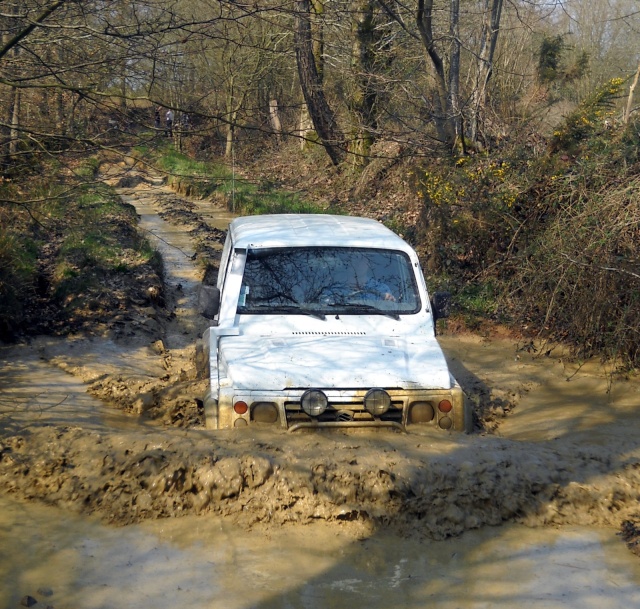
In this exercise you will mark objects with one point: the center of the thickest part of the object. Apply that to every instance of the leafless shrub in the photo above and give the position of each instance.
(580, 278)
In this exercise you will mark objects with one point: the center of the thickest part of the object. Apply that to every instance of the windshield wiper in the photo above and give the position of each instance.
(365, 308)
(278, 308)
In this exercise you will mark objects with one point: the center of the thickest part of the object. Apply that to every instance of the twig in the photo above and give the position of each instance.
(602, 268)
(189, 256)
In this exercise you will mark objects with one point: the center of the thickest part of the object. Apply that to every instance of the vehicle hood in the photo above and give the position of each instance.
(344, 362)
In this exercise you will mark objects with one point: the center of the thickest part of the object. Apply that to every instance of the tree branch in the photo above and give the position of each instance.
(32, 26)
(602, 268)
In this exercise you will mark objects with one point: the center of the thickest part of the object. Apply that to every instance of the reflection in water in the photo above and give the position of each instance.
(68, 561)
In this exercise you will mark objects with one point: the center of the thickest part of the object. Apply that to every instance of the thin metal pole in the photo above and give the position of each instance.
(233, 179)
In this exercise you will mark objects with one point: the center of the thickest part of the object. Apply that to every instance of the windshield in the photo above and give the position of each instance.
(324, 280)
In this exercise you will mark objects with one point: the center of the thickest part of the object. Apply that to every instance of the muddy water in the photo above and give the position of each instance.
(32, 392)
(554, 408)
(179, 269)
(558, 399)
(66, 561)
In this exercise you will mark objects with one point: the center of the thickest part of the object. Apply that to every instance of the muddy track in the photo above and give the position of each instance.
(429, 483)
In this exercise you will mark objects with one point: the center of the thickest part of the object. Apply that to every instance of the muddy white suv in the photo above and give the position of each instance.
(324, 321)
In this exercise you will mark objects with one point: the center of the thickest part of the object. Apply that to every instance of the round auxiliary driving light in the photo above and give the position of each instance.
(377, 401)
(314, 402)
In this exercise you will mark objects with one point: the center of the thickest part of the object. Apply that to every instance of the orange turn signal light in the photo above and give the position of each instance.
(240, 408)
(445, 406)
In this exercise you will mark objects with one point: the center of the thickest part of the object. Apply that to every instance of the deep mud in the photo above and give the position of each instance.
(555, 442)
(417, 484)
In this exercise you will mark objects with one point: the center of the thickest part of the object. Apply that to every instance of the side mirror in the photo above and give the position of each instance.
(441, 305)
(209, 301)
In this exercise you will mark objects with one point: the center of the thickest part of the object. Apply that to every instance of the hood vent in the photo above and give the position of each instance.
(329, 333)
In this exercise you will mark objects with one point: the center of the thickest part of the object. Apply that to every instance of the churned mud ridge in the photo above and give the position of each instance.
(179, 211)
(174, 399)
(630, 532)
(286, 478)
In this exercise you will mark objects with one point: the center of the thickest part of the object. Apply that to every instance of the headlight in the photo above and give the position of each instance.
(314, 402)
(377, 401)
(264, 412)
(421, 412)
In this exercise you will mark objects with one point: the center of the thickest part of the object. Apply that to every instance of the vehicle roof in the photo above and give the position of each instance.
(300, 230)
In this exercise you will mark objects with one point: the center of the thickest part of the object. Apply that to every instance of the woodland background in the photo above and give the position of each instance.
(501, 138)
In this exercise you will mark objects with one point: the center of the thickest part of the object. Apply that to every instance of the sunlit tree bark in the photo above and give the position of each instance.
(492, 13)
(321, 115)
(363, 97)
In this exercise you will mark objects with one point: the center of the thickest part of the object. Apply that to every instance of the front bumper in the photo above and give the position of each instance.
(346, 409)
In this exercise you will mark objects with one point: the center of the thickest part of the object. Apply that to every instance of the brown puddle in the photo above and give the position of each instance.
(63, 560)
(555, 398)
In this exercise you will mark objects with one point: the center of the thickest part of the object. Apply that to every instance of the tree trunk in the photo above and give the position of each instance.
(305, 127)
(488, 41)
(627, 111)
(274, 117)
(228, 151)
(317, 31)
(319, 110)
(14, 132)
(231, 114)
(453, 102)
(424, 21)
(362, 102)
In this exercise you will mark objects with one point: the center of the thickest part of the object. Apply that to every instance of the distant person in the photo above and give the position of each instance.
(156, 121)
(169, 118)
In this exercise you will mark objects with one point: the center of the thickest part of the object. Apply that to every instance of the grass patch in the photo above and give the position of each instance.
(241, 195)
(264, 198)
(62, 246)
(88, 168)
(478, 303)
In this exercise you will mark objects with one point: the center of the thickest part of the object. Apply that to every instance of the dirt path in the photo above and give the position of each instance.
(559, 445)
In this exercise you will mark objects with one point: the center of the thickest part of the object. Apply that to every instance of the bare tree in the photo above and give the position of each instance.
(366, 35)
(320, 113)
(491, 16)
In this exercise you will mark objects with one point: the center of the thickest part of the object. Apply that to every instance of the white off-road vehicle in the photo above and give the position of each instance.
(324, 321)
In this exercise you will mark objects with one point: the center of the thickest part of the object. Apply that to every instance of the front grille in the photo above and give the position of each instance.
(345, 413)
